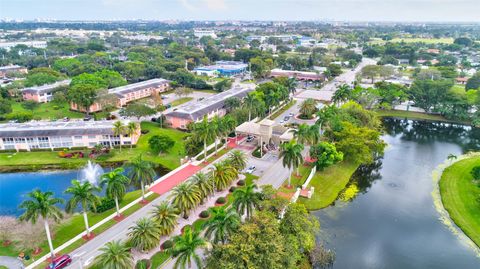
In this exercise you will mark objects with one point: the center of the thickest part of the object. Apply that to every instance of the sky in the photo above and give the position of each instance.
(279, 10)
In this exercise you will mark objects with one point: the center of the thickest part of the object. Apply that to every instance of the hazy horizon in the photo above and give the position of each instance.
(245, 10)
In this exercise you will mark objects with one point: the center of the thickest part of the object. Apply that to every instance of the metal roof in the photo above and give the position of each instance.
(47, 88)
(196, 110)
(42, 128)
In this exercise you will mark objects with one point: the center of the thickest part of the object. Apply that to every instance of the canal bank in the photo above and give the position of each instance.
(385, 218)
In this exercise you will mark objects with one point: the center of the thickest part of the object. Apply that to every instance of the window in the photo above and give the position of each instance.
(92, 137)
(19, 140)
(92, 144)
(43, 142)
(78, 137)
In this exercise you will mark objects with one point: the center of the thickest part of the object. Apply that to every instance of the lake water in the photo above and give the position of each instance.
(15, 186)
(392, 222)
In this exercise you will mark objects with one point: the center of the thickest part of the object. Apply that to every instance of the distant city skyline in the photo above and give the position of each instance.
(277, 10)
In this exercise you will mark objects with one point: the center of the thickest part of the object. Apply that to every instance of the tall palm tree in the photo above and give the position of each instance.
(228, 124)
(308, 107)
(42, 205)
(291, 154)
(145, 234)
(116, 184)
(203, 130)
(130, 130)
(119, 130)
(246, 199)
(302, 134)
(141, 171)
(166, 217)
(222, 224)
(83, 194)
(204, 185)
(291, 84)
(186, 196)
(216, 126)
(314, 134)
(114, 255)
(342, 94)
(250, 102)
(185, 247)
(223, 174)
(237, 159)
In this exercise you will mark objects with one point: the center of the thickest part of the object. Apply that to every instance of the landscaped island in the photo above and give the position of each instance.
(461, 196)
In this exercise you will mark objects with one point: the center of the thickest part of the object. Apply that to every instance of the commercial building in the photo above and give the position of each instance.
(300, 75)
(128, 93)
(210, 107)
(51, 135)
(44, 93)
(34, 43)
(5, 70)
(199, 33)
(222, 68)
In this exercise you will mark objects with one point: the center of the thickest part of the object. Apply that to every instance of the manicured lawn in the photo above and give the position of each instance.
(159, 258)
(180, 101)
(8, 251)
(170, 160)
(410, 115)
(328, 184)
(46, 111)
(460, 196)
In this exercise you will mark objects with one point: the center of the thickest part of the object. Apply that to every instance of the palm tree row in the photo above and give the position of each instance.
(207, 131)
(119, 129)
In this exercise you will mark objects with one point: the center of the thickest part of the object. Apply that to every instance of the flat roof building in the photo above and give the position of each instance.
(131, 92)
(210, 106)
(44, 93)
(50, 135)
(222, 68)
(300, 75)
(5, 70)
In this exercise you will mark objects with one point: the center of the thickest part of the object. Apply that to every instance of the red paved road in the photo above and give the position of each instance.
(176, 178)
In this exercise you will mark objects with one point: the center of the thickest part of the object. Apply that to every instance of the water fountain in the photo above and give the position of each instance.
(91, 173)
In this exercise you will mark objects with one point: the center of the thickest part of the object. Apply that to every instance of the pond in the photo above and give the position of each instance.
(392, 222)
(15, 186)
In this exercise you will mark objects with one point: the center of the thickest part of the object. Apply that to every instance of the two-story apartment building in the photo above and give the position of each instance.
(44, 93)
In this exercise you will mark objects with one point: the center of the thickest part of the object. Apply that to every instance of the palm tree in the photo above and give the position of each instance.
(42, 204)
(215, 125)
(223, 174)
(185, 247)
(302, 133)
(308, 107)
(291, 154)
(130, 130)
(250, 102)
(186, 196)
(228, 124)
(204, 185)
(246, 200)
(314, 134)
(119, 130)
(166, 217)
(116, 185)
(83, 194)
(237, 159)
(222, 224)
(342, 94)
(203, 130)
(291, 84)
(141, 171)
(145, 234)
(114, 255)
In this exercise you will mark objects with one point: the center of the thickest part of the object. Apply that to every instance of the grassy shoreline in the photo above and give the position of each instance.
(459, 195)
(34, 161)
(415, 116)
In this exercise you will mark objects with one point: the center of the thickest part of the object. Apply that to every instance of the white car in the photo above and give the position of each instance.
(250, 169)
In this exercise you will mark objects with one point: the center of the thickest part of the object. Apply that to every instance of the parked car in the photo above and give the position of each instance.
(291, 114)
(282, 122)
(250, 169)
(249, 138)
(286, 118)
(164, 97)
(60, 262)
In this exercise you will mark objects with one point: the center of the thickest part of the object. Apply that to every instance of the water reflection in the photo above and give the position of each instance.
(390, 220)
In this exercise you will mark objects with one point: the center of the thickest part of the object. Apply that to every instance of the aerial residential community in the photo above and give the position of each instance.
(219, 134)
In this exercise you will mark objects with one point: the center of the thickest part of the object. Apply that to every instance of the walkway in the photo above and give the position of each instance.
(10, 262)
(180, 176)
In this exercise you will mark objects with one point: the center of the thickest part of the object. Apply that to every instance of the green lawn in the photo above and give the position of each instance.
(410, 115)
(460, 196)
(46, 111)
(283, 109)
(39, 160)
(328, 184)
(159, 258)
(180, 101)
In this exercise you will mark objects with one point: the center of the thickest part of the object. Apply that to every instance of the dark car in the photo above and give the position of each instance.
(60, 262)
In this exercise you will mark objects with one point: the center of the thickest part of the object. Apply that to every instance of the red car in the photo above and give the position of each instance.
(60, 262)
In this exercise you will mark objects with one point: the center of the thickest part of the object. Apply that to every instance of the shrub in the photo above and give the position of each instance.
(143, 264)
(475, 172)
(20, 116)
(56, 107)
(105, 204)
(241, 182)
(221, 200)
(145, 131)
(232, 189)
(256, 153)
(167, 244)
(204, 214)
